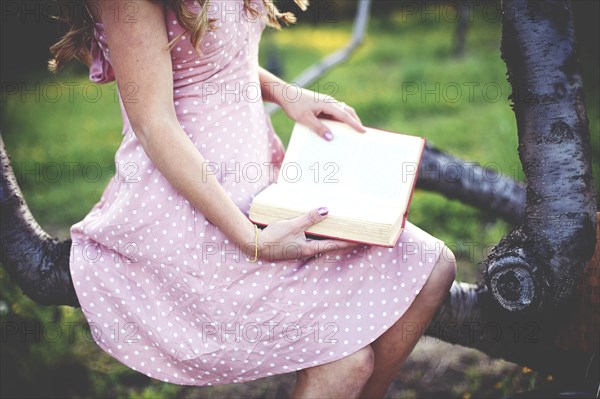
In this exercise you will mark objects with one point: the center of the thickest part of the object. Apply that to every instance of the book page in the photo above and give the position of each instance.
(376, 164)
(304, 199)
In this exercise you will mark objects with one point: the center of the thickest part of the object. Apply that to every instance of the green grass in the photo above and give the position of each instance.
(62, 151)
(78, 137)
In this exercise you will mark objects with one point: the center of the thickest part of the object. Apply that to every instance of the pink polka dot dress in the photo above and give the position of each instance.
(163, 289)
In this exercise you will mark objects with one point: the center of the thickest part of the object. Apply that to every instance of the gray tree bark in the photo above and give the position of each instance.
(536, 266)
(471, 184)
(35, 261)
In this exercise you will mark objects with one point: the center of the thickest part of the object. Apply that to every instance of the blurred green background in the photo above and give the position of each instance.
(62, 138)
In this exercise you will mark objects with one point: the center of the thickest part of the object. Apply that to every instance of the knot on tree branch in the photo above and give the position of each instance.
(513, 283)
(515, 277)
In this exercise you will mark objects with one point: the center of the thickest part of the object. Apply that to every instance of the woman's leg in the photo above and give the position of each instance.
(394, 346)
(343, 378)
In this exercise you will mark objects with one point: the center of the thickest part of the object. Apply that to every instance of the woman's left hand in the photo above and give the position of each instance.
(306, 106)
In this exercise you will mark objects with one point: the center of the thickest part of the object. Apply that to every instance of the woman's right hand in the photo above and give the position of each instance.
(285, 239)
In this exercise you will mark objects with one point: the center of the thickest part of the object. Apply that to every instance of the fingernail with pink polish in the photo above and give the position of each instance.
(323, 211)
(328, 136)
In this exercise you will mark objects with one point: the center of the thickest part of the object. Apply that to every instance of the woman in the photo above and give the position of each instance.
(173, 278)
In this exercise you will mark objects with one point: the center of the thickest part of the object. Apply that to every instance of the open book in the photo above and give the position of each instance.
(366, 180)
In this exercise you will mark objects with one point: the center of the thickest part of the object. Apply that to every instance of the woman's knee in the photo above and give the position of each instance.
(357, 366)
(361, 363)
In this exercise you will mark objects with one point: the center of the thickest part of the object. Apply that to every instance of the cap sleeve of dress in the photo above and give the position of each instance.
(101, 70)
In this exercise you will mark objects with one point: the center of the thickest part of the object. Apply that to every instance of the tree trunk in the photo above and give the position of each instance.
(462, 28)
(527, 304)
(536, 266)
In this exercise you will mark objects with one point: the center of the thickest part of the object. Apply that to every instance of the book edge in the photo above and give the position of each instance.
(341, 239)
(412, 191)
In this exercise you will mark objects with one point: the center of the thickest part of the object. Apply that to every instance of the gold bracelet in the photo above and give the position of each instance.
(255, 245)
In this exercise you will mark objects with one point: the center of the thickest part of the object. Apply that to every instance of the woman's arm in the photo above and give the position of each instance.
(140, 55)
(305, 106)
(271, 86)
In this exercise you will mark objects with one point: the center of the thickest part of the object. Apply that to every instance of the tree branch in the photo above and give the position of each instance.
(471, 317)
(471, 184)
(36, 262)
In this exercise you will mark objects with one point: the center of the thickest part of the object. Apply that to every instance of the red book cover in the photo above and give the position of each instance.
(404, 218)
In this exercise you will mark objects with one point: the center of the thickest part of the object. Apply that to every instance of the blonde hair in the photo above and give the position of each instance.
(76, 42)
